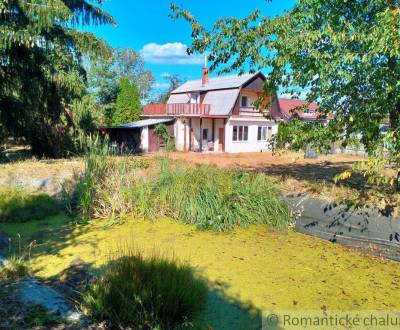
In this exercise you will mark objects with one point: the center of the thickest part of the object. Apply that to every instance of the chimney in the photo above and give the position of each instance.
(204, 79)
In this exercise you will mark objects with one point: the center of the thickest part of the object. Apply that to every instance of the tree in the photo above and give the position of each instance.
(41, 70)
(128, 107)
(105, 76)
(343, 54)
(174, 81)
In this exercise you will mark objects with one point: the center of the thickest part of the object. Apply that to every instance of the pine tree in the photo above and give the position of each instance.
(128, 107)
(41, 68)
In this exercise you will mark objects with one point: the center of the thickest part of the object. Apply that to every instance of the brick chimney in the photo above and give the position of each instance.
(204, 79)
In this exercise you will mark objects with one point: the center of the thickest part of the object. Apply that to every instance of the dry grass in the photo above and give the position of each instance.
(296, 174)
(30, 174)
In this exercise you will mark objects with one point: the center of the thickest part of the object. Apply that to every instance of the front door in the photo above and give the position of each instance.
(221, 138)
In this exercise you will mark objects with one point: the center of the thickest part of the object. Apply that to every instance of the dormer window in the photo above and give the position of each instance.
(245, 101)
(195, 98)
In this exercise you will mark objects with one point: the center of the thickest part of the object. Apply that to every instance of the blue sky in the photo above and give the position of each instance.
(146, 27)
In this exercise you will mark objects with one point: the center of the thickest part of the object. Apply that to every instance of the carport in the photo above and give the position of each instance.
(137, 136)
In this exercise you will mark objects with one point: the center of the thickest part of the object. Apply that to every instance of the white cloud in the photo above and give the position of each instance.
(169, 53)
(160, 85)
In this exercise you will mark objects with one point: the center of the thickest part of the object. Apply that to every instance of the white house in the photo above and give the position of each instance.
(218, 114)
(213, 115)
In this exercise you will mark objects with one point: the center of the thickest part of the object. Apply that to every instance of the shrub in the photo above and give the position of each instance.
(13, 269)
(206, 196)
(17, 205)
(145, 293)
(100, 192)
(161, 130)
(212, 198)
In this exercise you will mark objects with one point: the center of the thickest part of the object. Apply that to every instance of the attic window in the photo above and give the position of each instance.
(245, 101)
(194, 98)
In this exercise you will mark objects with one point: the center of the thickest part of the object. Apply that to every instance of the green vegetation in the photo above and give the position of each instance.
(41, 69)
(339, 53)
(162, 132)
(13, 269)
(17, 205)
(128, 107)
(149, 293)
(206, 196)
(212, 198)
(105, 74)
(334, 277)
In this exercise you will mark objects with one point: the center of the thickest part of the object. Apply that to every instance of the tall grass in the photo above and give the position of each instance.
(218, 199)
(145, 293)
(101, 189)
(206, 196)
(17, 205)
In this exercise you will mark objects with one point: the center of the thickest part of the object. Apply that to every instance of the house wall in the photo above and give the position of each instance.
(179, 132)
(144, 139)
(252, 144)
(255, 84)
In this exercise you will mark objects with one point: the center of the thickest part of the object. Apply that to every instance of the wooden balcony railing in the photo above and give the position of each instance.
(176, 109)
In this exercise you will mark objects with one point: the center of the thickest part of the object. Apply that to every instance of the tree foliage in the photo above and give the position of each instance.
(105, 75)
(174, 81)
(41, 70)
(128, 107)
(343, 54)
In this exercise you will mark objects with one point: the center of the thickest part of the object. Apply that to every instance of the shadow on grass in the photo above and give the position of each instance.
(15, 154)
(219, 312)
(19, 206)
(323, 172)
(55, 234)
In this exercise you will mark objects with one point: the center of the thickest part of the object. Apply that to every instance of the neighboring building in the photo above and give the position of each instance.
(306, 111)
(215, 114)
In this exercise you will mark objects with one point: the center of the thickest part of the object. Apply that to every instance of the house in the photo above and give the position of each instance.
(305, 111)
(214, 115)
(218, 114)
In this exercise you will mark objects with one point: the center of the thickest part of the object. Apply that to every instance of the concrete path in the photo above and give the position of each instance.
(33, 291)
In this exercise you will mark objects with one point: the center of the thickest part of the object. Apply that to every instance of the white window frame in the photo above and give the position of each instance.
(194, 98)
(242, 131)
(267, 130)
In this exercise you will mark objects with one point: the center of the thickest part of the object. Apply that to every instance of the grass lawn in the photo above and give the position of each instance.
(247, 271)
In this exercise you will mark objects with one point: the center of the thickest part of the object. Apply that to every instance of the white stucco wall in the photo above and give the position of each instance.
(179, 132)
(252, 144)
(144, 139)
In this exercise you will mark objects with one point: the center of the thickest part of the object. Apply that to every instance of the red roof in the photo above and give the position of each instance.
(288, 106)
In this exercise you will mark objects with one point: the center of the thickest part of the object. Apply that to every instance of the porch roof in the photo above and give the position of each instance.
(141, 123)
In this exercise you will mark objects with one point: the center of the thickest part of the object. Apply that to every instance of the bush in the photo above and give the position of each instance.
(206, 196)
(17, 205)
(100, 192)
(145, 293)
(13, 269)
(212, 198)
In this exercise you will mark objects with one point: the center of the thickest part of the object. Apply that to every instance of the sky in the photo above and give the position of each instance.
(146, 27)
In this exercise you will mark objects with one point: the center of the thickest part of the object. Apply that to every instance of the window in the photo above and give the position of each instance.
(245, 101)
(240, 133)
(264, 133)
(194, 98)
(205, 133)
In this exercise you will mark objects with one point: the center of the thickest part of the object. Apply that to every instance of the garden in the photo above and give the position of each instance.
(161, 242)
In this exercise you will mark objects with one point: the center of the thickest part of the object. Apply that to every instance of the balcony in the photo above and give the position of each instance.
(177, 109)
(252, 112)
